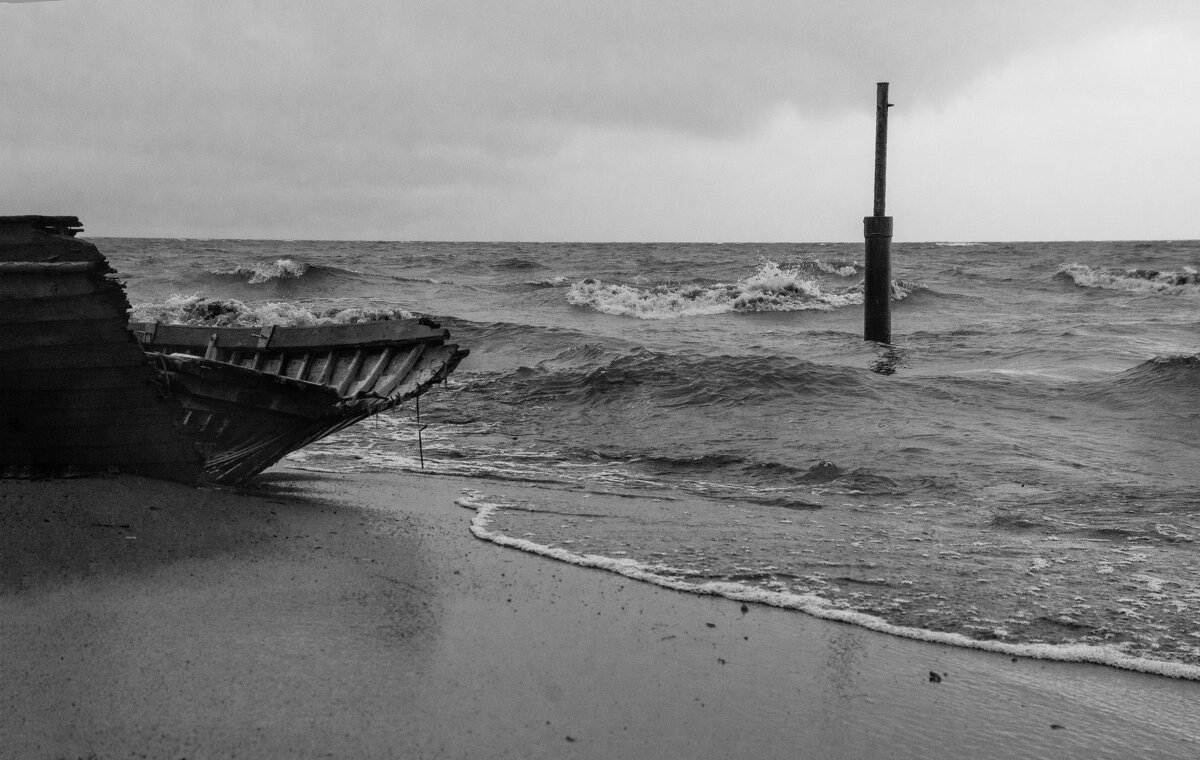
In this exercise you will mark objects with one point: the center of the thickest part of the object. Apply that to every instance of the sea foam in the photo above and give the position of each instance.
(660, 574)
(1133, 280)
(258, 273)
(770, 288)
(196, 309)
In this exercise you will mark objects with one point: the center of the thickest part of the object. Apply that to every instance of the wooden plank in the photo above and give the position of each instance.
(321, 336)
(234, 338)
(60, 309)
(31, 410)
(136, 434)
(395, 378)
(146, 428)
(249, 408)
(79, 357)
(351, 372)
(62, 333)
(358, 335)
(326, 373)
(146, 334)
(66, 225)
(51, 380)
(103, 454)
(98, 437)
(28, 286)
(48, 268)
(227, 384)
(47, 248)
(300, 373)
(385, 358)
(139, 392)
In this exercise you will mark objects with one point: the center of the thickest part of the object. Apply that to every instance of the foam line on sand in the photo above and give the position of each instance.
(815, 605)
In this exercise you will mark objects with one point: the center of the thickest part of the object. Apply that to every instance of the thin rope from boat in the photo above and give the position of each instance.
(420, 442)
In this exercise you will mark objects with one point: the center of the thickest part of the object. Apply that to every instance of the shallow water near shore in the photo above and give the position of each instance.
(1017, 471)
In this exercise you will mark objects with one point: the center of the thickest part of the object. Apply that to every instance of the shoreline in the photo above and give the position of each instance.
(815, 606)
(357, 616)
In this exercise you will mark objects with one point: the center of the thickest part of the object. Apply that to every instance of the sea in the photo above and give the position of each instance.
(1017, 471)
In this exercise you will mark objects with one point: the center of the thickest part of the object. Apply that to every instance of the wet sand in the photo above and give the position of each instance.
(357, 617)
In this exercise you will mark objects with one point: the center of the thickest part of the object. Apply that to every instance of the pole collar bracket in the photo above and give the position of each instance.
(877, 226)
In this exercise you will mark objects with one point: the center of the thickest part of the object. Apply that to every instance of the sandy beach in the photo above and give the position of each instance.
(357, 617)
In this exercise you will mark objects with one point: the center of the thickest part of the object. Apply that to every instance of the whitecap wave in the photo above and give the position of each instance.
(550, 282)
(769, 288)
(841, 270)
(258, 273)
(1187, 280)
(228, 312)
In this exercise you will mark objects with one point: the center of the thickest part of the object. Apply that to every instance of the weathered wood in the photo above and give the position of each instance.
(877, 231)
(75, 332)
(377, 334)
(75, 403)
(252, 395)
(302, 371)
(61, 309)
(396, 376)
(248, 420)
(59, 224)
(38, 382)
(327, 367)
(217, 382)
(368, 382)
(366, 335)
(30, 286)
(351, 373)
(77, 391)
(99, 432)
(81, 357)
(43, 268)
(881, 127)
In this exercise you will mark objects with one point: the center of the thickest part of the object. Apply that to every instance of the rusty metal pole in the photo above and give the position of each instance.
(877, 229)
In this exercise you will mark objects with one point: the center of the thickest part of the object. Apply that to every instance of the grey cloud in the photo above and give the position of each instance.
(393, 100)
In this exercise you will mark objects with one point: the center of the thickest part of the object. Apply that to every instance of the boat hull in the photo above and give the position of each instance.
(253, 395)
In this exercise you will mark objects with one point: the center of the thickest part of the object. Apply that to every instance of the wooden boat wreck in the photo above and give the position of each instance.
(82, 389)
(77, 393)
(252, 395)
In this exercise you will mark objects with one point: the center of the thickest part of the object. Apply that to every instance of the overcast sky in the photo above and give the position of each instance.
(674, 120)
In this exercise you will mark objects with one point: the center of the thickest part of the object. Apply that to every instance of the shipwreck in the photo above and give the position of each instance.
(82, 389)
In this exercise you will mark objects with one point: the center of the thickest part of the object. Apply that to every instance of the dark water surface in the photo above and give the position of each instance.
(1019, 469)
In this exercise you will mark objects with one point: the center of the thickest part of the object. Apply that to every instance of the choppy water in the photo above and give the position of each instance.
(1019, 469)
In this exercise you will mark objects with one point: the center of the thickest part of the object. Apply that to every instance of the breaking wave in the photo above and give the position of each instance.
(259, 273)
(770, 288)
(549, 282)
(228, 312)
(1187, 280)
